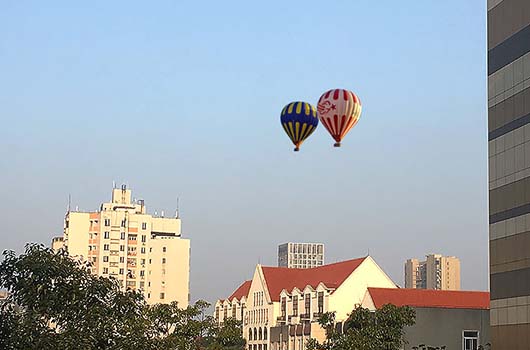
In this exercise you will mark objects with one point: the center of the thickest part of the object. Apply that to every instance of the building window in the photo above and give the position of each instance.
(234, 311)
(105, 270)
(162, 295)
(284, 307)
(106, 235)
(250, 334)
(144, 225)
(295, 305)
(143, 238)
(265, 334)
(122, 235)
(122, 259)
(132, 237)
(260, 334)
(107, 222)
(123, 222)
(163, 260)
(121, 271)
(470, 340)
(142, 273)
(122, 248)
(106, 247)
(105, 259)
(142, 250)
(225, 312)
(164, 249)
(320, 302)
(308, 305)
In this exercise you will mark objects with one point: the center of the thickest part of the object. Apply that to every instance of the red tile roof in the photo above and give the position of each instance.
(430, 298)
(241, 291)
(332, 275)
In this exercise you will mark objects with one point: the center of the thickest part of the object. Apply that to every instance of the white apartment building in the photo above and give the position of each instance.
(143, 252)
(300, 255)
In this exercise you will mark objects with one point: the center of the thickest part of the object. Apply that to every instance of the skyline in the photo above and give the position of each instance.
(185, 100)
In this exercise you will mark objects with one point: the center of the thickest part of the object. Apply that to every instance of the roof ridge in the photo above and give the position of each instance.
(432, 290)
(316, 267)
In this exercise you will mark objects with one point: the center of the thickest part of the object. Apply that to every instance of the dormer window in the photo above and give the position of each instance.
(320, 302)
(308, 304)
(295, 305)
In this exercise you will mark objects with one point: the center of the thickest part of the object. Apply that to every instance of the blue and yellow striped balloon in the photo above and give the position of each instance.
(299, 120)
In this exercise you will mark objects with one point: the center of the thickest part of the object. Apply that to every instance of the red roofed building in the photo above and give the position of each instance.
(282, 304)
(454, 319)
(234, 305)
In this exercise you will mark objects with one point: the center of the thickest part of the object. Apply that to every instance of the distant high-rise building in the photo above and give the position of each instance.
(509, 171)
(57, 243)
(436, 272)
(300, 255)
(143, 252)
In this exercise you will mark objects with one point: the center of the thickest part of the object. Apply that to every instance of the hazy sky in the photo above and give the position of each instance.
(184, 99)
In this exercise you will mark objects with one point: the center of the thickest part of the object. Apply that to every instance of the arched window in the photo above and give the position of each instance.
(250, 334)
(260, 334)
(255, 334)
(264, 333)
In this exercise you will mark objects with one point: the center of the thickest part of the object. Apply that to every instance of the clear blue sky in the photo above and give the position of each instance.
(184, 99)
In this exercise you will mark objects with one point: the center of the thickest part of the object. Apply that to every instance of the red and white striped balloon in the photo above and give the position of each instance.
(339, 110)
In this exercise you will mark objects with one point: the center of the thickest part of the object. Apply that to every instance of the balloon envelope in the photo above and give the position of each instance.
(339, 110)
(299, 120)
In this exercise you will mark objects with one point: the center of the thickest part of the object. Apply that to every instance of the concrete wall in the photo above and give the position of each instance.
(438, 327)
(351, 292)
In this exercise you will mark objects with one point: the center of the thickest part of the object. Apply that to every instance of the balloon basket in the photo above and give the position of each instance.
(296, 149)
(337, 144)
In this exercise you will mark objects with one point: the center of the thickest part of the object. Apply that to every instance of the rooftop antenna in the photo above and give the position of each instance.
(113, 184)
(69, 202)
(177, 213)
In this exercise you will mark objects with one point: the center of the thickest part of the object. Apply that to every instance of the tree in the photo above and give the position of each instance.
(55, 302)
(228, 336)
(366, 330)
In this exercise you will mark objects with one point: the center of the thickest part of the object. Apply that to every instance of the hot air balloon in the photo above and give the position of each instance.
(299, 120)
(339, 110)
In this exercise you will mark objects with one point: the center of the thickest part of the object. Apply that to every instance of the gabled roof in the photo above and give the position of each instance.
(332, 275)
(430, 298)
(241, 291)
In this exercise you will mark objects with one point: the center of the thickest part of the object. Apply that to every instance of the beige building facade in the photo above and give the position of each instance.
(143, 252)
(435, 272)
(282, 305)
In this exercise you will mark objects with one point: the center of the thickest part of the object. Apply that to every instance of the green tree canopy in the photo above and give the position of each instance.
(366, 330)
(54, 302)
